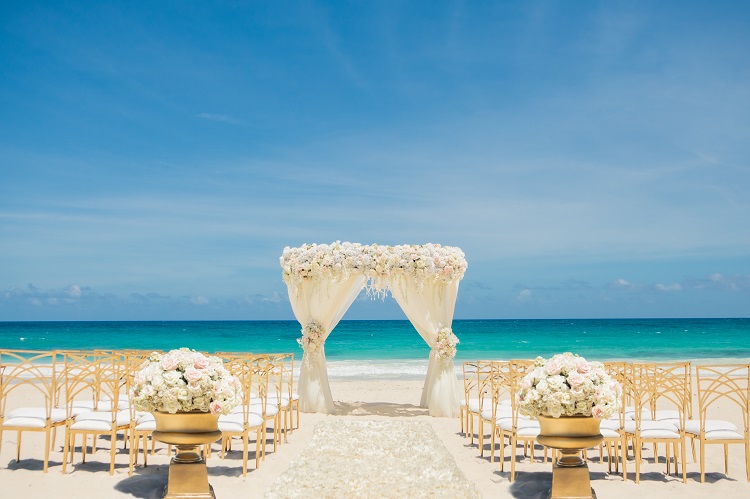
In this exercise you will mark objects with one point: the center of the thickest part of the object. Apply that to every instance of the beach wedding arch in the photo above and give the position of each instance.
(323, 280)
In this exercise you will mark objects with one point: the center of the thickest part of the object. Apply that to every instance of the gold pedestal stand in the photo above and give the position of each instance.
(188, 476)
(570, 435)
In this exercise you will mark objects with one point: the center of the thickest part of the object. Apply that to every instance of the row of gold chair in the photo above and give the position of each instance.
(657, 408)
(87, 393)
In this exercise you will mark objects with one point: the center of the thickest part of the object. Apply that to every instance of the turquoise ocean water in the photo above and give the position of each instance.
(393, 349)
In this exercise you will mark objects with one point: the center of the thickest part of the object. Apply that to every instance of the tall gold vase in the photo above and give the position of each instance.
(187, 431)
(570, 435)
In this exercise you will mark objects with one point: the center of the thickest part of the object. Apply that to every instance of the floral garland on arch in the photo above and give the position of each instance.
(312, 339)
(445, 344)
(339, 261)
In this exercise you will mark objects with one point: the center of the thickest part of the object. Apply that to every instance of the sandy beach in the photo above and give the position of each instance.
(356, 400)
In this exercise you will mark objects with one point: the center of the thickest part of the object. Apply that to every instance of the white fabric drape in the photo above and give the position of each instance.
(324, 301)
(428, 309)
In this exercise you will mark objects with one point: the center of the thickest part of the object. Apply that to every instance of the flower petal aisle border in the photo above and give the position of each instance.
(373, 459)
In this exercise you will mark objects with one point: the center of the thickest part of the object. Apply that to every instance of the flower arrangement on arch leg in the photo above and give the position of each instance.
(312, 338)
(445, 343)
(568, 385)
(185, 380)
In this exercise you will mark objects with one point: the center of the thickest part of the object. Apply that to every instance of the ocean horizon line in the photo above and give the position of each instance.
(665, 318)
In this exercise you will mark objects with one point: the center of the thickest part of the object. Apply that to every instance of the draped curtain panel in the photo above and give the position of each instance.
(324, 301)
(428, 309)
(323, 280)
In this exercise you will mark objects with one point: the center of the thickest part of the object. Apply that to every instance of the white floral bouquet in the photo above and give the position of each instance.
(338, 261)
(568, 385)
(312, 337)
(183, 381)
(445, 343)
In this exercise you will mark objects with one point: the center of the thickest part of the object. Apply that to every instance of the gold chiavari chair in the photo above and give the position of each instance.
(726, 387)
(469, 377)
(269, 412)
(102, 377)
(241, 423)
(293, 395)
(479, 390)
(518, 427)
(32, 375)
(142, 424)
(279, 389)
(613, 429)
(667, 385)
(498, 406)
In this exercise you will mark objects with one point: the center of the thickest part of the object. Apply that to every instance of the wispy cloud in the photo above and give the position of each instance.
(223, 118)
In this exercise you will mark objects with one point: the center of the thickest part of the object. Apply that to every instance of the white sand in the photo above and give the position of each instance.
(358, 399)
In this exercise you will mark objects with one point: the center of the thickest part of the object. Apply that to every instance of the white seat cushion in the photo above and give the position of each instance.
(100, 420)
(528, 431)
(610, 424)
(502, 412)
(33, 417)
(271, 410)
(234, 423)
(609, 433)
(22, 422)
(474, 405)
(507, 424)
(716, 429)
(145, 425)
(654, 429)
(283, 402)
(56, 415)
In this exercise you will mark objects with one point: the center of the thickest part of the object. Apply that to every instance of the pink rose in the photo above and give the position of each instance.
(597, 412)
(554, 367)
(583, 367)
(192, 374)
(576, 379)
(200, 362)
(214, 407)
(169, 363)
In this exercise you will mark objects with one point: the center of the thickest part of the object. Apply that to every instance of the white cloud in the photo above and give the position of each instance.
(524, 295)
(274, 298)
(223, 118)
(621, 283)
(199, 300)
(668, 287)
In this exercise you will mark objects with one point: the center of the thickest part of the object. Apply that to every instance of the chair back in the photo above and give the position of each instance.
(99, 378)
(665, 384)
(619, 372)
(519, 368)
(261, 366)
(481, 386)
(723, 385)
(33, 375)
(243, 370)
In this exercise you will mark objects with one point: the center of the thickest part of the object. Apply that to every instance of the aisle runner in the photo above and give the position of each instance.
(373, 459)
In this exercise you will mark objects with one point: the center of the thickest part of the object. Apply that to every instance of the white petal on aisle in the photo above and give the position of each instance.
(373, 459)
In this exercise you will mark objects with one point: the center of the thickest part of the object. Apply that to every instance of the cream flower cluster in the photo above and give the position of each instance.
(338, 261)
(568, 385)
(185, 380)
(312, 337)
(445, 343)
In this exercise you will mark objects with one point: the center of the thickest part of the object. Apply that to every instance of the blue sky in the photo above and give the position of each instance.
(592, 159)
